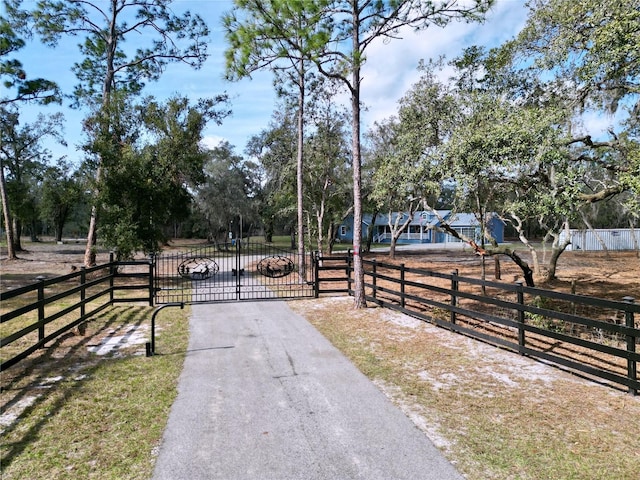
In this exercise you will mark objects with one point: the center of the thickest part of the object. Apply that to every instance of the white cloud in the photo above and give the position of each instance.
(597, 124)
(391, 67)
(211, 141)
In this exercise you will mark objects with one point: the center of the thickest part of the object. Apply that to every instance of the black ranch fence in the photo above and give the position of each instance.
(590, 336)
(39, 313)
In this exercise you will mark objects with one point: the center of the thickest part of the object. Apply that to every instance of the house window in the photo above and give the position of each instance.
(343, 230)
(469, 232)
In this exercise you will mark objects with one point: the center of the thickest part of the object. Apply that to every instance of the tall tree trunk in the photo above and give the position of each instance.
(320, 215)
(34, 231)
(523, 235)
(397, 230)
(599, 239)
(302, 264)
(392, 247)
(59, 223)
(553, 262)
(371, 231)
(534, 254)
(359, 300)
(319, 233)
(268, 231)
(107, 87)
(331, 238)
(636, 244)
(556, 250)
(90, 250)
(17, 235)
(8, 224)
(59, 227)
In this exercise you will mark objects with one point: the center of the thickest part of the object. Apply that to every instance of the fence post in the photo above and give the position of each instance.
(402, 273)
(41, 280)
(520, 296)
(632, 371)
(349, 262)
(83, 290)
(316, 274)
(111, 275)
(454, 299)
(374, 279)
(152, 266)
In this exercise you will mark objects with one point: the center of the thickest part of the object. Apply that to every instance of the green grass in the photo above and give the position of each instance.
(284, 242)
(31, 318)
(101, 417)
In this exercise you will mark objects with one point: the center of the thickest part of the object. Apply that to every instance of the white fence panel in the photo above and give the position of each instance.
(613, 238)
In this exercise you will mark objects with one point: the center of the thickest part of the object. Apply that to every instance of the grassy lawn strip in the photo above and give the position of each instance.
(73, 414)
(495, 414)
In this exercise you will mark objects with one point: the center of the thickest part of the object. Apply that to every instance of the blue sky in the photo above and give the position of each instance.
(391, 69)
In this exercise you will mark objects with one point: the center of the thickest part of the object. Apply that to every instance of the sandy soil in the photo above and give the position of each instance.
(497, 374)
(46, 259)
(610, 275)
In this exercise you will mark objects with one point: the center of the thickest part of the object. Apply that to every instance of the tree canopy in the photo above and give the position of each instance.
(17, 84)
(514, 133)
(108, 69)
(542, 130)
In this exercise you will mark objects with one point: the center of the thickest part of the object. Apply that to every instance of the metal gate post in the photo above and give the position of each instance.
(152, 276)
(238, 269)
(316, 274)
(151, 346)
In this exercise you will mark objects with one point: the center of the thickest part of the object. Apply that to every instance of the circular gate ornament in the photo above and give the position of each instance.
(275, 266)
(198, 268)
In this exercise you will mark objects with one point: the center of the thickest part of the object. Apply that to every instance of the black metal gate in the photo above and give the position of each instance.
(231, 272)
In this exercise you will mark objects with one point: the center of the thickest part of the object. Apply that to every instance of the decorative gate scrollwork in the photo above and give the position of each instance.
(240, 271)
(198, 268)
(275, 266)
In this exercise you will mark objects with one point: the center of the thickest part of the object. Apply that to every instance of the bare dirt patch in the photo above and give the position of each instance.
(610, 275)
(43, 259)
(496, 414)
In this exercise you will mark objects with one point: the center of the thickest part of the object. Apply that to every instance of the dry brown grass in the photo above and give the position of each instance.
(495, 414)
(610, 275)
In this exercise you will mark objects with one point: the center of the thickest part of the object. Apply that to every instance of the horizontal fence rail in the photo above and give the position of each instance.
(596, 337)
(333, 271)
(36, 314)
(592, 336)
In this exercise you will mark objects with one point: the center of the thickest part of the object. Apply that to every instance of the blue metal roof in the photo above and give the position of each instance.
(423, 217)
